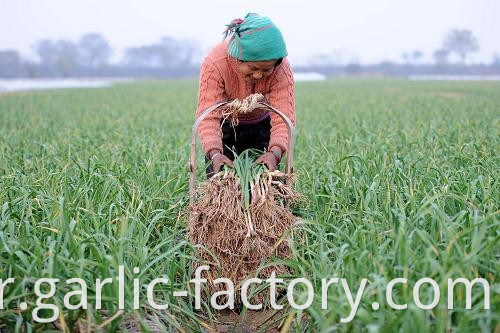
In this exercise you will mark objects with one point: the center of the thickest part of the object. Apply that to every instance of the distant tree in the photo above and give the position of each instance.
(178, 52)
(417, 55)
(30, 68)
(386, 67)
(441, 56)
(496, 60)
(93, 50)
(59, 54)
(9, 57)
(150, 56)
(461, 42)
(168, 53)
(407, 57)
(413, 57)
(67, 58)
(353, 68)
(321, 59)
(47, 52)
(10, 64)
(337, 57)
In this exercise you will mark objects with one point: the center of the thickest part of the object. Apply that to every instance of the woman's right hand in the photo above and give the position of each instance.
(219, 159)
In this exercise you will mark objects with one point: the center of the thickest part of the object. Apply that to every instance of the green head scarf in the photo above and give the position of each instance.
(255, 38)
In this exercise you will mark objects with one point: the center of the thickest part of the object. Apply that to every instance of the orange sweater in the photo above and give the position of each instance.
(220, 81)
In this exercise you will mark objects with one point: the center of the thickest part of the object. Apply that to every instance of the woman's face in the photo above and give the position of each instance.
(254, 71)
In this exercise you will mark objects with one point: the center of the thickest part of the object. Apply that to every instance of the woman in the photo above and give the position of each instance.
(252, 61)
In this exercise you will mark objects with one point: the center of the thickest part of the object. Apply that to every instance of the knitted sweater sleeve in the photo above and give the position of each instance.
(211, 91)
(281, 96)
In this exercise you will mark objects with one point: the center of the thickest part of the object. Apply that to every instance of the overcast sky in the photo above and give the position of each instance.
(363, 30)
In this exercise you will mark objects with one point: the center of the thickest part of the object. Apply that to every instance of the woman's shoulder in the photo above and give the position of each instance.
(218, 52)
(283, 71)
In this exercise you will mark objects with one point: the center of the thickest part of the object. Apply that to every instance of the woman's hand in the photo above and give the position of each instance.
(219, 159)
(270, 159)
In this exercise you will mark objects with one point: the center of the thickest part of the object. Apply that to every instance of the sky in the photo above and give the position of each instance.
(363, 31)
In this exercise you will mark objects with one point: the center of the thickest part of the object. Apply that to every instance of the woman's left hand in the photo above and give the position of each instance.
(269, 159)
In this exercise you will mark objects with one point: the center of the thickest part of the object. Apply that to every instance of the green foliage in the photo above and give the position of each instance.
(401, 180)
(246, 171)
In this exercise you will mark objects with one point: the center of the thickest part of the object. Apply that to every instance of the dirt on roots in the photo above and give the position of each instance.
(219, 227)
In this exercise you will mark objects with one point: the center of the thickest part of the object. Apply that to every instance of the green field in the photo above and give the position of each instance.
(401, 180)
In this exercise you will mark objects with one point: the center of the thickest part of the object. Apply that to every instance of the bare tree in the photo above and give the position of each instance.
(93, 50)
(461, 42)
